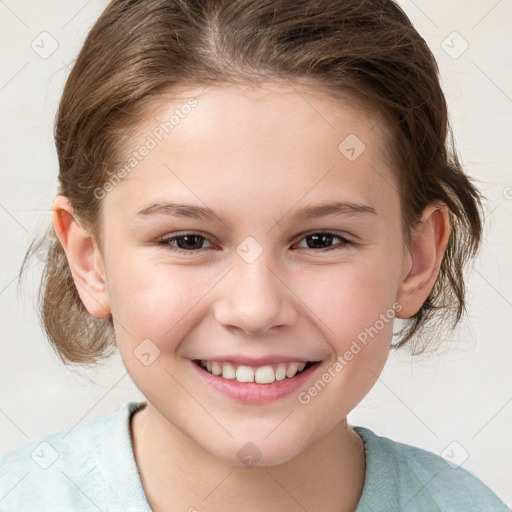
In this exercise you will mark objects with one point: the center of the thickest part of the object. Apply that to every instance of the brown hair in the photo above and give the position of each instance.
(367, 50)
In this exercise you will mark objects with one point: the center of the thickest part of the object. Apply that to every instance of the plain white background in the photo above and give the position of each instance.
(457, 402)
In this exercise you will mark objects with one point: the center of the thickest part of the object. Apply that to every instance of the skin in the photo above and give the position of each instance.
(254, 156)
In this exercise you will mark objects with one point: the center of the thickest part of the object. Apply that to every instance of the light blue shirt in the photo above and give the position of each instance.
(92, 468)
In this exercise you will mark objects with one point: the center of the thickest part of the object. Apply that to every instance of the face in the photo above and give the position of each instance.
(264, 283)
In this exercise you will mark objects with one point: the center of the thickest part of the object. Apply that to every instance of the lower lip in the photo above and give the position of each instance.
(252, 393)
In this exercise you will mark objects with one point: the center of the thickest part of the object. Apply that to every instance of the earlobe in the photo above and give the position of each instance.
(429, 241)
(84, 258)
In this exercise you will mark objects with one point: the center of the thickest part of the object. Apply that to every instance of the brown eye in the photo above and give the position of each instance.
(190, 243)
(323, 240)
(186, 243)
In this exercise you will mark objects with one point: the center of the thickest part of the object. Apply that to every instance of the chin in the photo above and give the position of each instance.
(259, 451)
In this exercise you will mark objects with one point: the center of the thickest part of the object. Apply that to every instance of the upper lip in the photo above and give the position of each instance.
(257, 361)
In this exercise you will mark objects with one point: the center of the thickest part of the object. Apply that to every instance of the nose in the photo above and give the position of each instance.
(255, 298)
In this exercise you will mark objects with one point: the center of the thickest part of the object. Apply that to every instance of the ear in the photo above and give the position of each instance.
(429, 241)
(84, 258)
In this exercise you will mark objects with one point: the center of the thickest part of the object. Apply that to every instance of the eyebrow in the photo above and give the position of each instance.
(334, 208)
(306, 212)
(179, 210)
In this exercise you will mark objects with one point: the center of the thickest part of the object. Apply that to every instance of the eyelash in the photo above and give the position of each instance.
(166, 242)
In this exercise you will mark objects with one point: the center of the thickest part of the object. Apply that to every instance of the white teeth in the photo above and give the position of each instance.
(244, 374)
(228, 371)
(292, 370)
(261, 375)
(280, 372)
(265, 375)
(216, 368)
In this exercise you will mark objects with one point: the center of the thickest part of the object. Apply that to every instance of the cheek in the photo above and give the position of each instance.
(349, 297)
(355, 307)
(156, 300)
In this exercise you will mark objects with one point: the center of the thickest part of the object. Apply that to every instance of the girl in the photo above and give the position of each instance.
(302, 147)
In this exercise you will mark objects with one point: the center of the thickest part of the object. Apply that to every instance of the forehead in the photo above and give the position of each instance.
(264, 106)
(273, 140)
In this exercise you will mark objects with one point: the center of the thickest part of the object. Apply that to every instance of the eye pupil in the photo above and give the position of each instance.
(189, 243)
(188, 239)
(323, 237)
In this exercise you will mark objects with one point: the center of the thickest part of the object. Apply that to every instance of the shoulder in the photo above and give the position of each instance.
(413, 479)
(68, 470)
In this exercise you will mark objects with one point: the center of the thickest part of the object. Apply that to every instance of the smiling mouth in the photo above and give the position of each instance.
(266, 374)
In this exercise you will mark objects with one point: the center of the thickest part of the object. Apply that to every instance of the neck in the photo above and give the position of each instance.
(178, 474)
